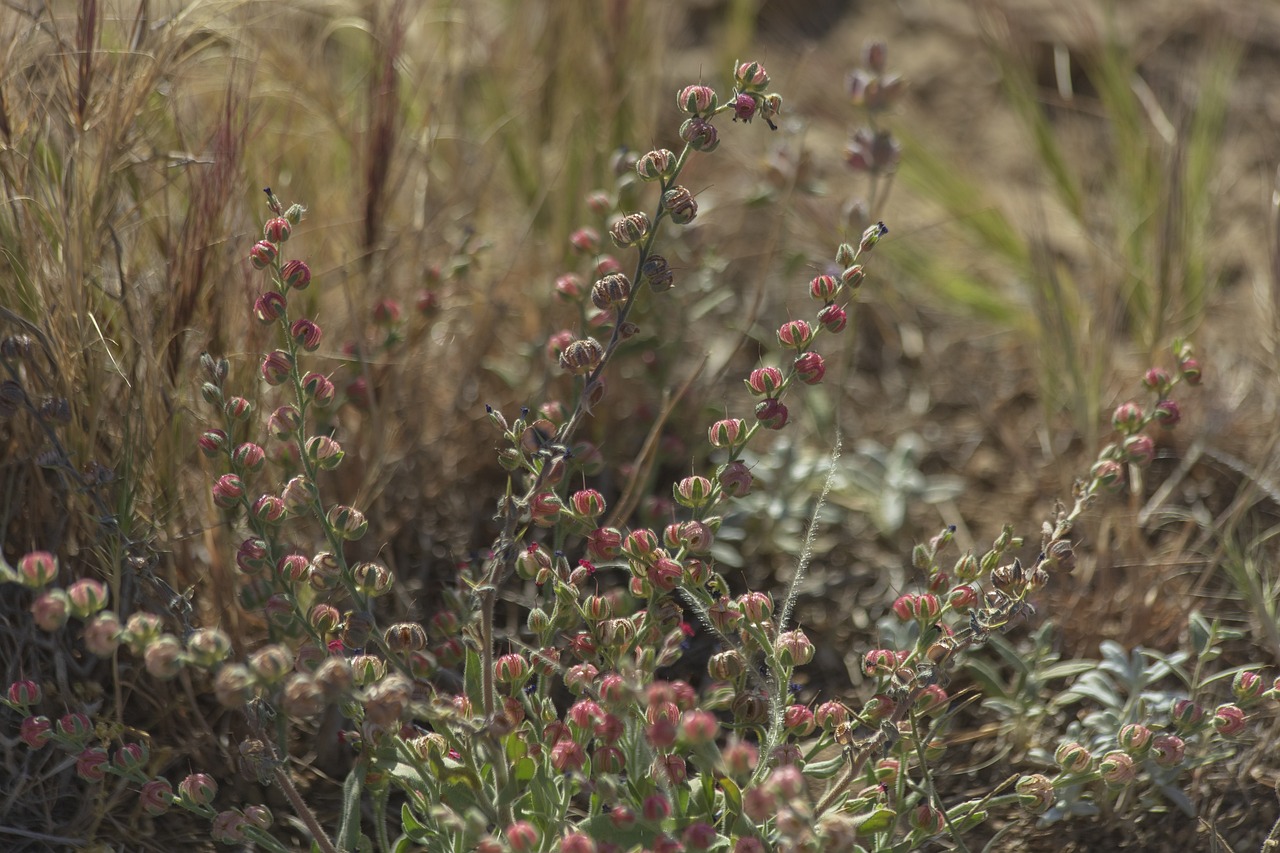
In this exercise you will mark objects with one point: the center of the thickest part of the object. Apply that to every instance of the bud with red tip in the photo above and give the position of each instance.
(656, 165)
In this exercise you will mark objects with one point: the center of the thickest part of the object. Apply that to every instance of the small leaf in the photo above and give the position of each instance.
(349, 825)
(877, 820)
(1201, 633)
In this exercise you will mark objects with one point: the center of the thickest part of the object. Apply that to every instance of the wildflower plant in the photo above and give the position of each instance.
(569, 733)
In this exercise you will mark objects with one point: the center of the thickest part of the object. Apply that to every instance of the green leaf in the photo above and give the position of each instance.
(1201, 633)
(349, 826)
(732, 794)
(472, 680)
(877, 820)
(409, 822)
(820, 770)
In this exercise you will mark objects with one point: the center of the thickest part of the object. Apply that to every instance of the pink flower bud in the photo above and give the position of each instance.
(269, 307)
(1157, 379)
(665, 574)
(51, 610)
(91, 765)
(831, 714)
(1135, 739)
(37, 569)
(795, 334)
(163, 657)
(879, 662)
(585, 240)
(227, 491)
(824, 288)
(757, 607)
(853, 276)
(697, 101)
(771, 413)
(156, 797)
(1073, 757)
(263, 254)
(744, 106)
(794, 648)
(523, 837)
(736, 480)
(1117, 768)
(295, 274)
(306, 333)
(1168, 413)
(1035, 793)
(35, 732)
(277, 229)
(23, 693)
(1247, 687)
(276, 367)
(75, 726)
(693, 492)
(833, 318)
(87, 597)
(1168, 750)
(810, 368)
(587, 503)
(700, 134)
(198, 789)
(751, 77)
(1140, 449)
(1128, 418)
(347, 522)
(1190, 370)
(1228, 720)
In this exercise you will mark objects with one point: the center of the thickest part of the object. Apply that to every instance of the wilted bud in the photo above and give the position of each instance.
(700, 134)
(405, 637)
(582, 356)
(656, 165)
(629, 230)
(610, 291)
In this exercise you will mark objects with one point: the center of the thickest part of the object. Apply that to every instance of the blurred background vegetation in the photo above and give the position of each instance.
(1076, 188)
